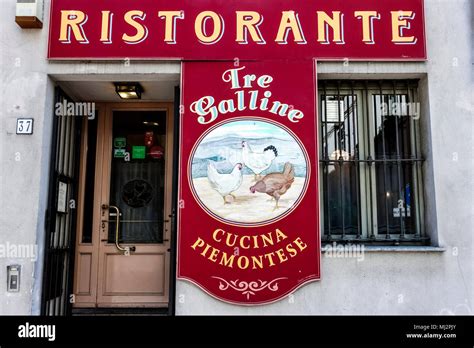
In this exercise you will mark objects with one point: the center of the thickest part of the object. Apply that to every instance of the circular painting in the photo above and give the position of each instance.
(248, 171)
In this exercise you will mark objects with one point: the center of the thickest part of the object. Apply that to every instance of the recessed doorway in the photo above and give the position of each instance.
(122, 255)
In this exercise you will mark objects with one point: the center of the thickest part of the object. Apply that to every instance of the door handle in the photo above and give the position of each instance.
(117, 215)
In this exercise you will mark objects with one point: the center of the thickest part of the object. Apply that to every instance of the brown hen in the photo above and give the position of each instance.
(276, 184)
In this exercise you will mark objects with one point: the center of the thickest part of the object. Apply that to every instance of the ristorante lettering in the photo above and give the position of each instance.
(210, 26)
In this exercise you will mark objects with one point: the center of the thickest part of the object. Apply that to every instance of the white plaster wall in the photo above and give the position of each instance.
(27, 90)
(385, 282)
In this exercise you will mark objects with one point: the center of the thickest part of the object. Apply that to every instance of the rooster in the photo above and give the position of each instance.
(276, 184)
(225, 184)
(257, 162)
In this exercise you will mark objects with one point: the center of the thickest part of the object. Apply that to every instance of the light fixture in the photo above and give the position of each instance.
(151, 123)
(29, 13)
(129, 90)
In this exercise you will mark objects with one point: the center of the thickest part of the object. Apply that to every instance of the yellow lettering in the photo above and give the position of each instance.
(170, 18)
(399, 22)
(245, 264)
(200, 27)
(255, 242)
(367, 25)
(227, 261)
(198, 243)
(257, 261)
(213, 254)
(301, 245)
(72, 20)
(336, 24)
(290, 22)
(247, 246)
(247, 23)
(280, 235)
(227, 240)
(214, 235)
(142, 31)
(204, 252)
(266, 239)
(269, 257)
(105, 33)
(292, 251)
(281, 255)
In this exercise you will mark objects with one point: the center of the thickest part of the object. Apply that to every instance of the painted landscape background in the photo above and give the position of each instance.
(223, 146)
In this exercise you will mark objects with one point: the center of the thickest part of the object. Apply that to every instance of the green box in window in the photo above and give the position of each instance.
(119, 153)
(120, 143)
(138, 152)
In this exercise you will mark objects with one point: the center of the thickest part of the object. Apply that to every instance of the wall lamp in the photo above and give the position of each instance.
(129, 90)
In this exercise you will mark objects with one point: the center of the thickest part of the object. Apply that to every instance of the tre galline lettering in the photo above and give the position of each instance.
(246, 98)
(248, 180)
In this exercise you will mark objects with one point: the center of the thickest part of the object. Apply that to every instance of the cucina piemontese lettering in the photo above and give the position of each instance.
(249, 251)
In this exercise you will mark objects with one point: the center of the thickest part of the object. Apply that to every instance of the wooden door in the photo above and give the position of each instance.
(128, 262)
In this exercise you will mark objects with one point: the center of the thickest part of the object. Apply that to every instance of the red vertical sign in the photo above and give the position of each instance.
(248, 217)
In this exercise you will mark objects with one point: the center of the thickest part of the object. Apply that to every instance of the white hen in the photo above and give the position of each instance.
(257, 162)
(225, 184)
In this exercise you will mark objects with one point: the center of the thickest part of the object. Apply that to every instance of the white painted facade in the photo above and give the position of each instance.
(390, 280)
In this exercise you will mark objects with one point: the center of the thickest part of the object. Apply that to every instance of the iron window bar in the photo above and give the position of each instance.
(389, 156)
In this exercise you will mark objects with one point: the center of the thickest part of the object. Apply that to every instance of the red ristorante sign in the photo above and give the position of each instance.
(247, 29)
(248, 221)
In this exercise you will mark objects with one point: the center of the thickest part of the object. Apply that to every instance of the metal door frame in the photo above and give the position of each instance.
(52, 254)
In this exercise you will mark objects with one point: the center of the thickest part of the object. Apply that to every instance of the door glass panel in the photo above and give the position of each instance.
(138, 176)
(90, 179)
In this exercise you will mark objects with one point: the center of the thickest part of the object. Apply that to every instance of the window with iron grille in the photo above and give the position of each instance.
(370, 162)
